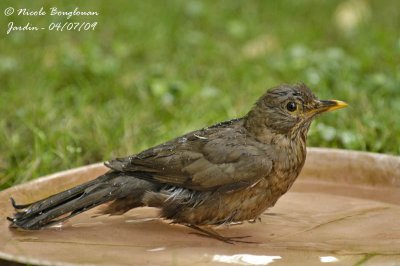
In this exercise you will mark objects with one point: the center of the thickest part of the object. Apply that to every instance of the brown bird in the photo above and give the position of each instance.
(229, 172)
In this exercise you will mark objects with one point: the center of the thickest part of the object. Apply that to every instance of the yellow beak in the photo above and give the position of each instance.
(331, 105)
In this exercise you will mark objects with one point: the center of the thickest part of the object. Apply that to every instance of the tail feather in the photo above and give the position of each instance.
(34, 208)
(64, 205)
(74, 207)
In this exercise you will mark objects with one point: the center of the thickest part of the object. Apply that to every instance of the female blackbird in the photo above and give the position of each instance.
(229, 172)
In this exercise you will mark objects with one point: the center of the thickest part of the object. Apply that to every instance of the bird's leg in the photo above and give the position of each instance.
(212, 234)
(252, 221)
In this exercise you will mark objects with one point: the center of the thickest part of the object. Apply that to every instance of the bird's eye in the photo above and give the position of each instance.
(291, 106)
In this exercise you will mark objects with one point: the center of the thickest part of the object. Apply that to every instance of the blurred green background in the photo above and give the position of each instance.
(152, 70)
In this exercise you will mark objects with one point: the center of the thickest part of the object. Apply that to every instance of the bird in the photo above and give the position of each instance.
(226, 173)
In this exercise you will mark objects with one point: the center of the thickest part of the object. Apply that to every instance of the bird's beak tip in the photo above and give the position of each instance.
(331, 105)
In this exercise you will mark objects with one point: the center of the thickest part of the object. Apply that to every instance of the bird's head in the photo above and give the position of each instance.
(289, 109)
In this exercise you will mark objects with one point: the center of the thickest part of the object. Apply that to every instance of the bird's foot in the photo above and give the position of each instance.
(212, 234)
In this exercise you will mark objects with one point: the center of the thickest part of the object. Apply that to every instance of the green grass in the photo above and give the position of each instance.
(152, 70)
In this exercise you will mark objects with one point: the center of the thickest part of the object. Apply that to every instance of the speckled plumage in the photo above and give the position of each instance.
(232, 171)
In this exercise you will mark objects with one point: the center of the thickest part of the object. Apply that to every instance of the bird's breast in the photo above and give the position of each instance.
(289, 160)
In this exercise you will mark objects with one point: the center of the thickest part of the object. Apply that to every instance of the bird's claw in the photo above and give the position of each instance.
(227, 239)
(215, 235)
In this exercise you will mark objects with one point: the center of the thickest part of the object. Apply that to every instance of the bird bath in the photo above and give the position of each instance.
(344, 209)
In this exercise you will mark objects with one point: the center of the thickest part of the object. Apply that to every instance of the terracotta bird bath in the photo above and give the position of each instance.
(343, 210)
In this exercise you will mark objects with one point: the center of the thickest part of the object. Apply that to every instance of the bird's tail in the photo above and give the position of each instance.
(59, 207)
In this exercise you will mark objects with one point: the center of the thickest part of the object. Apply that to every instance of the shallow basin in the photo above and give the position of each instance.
(343, 210)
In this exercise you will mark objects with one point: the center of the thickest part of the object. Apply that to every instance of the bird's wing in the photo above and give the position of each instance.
(226, 161)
